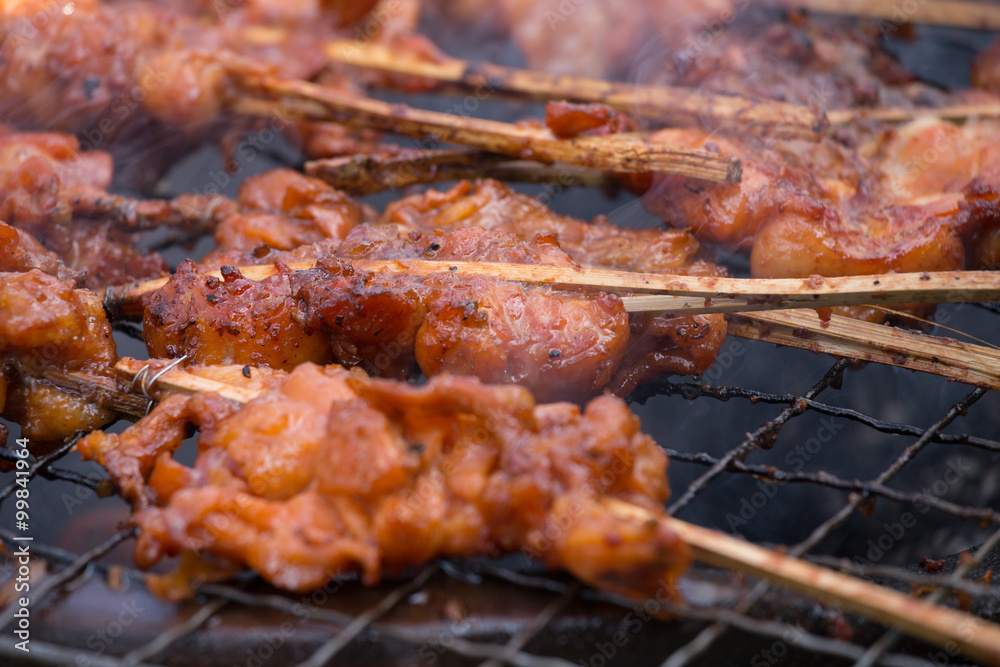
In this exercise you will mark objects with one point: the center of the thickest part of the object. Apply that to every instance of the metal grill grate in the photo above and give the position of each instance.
(509, 612)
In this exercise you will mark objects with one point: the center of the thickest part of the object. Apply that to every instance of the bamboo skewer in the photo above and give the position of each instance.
(370, 174)
(668, 105)
(190, 211)
(846, 337)
(958, 13)
(900, 114)
(974, 637)
(943, 626)
(689, 295)
(841, 336)
(101, 391)
(618, 152)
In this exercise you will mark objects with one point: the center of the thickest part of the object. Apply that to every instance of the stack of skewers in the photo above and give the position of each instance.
(295, 343)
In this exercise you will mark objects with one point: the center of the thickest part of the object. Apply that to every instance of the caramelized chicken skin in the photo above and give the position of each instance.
(658, 345)
(228, 321)
(330, 471)
(49, 326)
(560, 343)
(283, 209)
(896, 202)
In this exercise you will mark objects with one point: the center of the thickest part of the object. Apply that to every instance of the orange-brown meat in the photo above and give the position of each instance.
(53, 190)
(560, 343)
(282, 210)
(49, 326)
(986, 69)
(229, 321)
(108, 69)
(148, 80)
(331, 472)
(658, 344)
(895, 202)
(490, 204)
(744, 48)
(39, 173)
(19, 251)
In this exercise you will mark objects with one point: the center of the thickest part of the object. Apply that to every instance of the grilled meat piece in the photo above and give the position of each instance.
(283, 209)
(48, 325)
(329, 471)
(19, 251)
(149, 81)
(558, 342)
(986, 69)
(898, 201)
(233, 320)
(659, 344)
(562, 344)
(56, 193)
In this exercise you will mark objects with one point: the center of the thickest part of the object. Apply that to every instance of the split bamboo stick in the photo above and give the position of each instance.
(619, 152)
(902, 115)
(370, 174)
(680, 294)
(846, 337)
(957, 13)
(668, 105)
(691, 295)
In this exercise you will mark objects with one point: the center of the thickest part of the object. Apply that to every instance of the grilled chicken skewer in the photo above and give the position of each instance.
(672, 106)
(921, 197)
(321, 471)
(562, 343)
(188, 72)
(144, 80)
(621, 152)
(56, 196)
(682, 294)
(58, 352)
(664, 104)
(603, 521)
